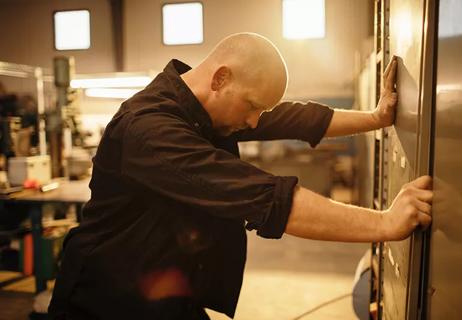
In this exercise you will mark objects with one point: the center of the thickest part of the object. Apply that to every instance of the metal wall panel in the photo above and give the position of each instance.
(364, 159)
(406, 21)
(445, 276)
(396, 254)
(406, 25)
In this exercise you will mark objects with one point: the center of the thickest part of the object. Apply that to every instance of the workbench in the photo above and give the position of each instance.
(68, 192)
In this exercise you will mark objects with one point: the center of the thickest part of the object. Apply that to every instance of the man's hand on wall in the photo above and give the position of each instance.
(384, 114)
(410, 209)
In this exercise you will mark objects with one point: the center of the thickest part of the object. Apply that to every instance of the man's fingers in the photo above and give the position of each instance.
(423, 206)
(390, 74)
(424, 220)
(423, 182)
(391, 66)
(424, 195)
(387, 69)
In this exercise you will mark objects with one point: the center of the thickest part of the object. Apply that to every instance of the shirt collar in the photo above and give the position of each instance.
(173, 70)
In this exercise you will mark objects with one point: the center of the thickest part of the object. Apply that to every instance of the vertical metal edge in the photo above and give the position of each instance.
(376, 278)
(384, 134)
(40, 110)
(431, 82)
(419, 241)
(382, 13)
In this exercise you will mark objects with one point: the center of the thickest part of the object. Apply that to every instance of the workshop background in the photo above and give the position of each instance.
(66, 66)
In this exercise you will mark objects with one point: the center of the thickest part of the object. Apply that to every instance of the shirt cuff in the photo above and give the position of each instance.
(325, 114)
(275, 223)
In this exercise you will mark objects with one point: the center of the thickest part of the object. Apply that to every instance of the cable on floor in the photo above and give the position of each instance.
(322, 305)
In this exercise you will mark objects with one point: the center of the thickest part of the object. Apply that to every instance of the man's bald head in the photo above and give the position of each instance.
(244, 76)
(253, 59)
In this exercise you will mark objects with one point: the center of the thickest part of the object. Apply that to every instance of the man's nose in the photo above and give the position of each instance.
(252, 121)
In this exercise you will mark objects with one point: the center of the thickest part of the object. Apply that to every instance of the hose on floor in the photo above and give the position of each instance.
(322, 305)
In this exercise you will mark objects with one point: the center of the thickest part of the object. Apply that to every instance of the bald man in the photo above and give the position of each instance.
(164, 234)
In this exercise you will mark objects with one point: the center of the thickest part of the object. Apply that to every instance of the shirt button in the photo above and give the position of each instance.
(196, 125)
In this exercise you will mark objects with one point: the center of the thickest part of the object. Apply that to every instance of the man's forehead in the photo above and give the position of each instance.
(265, 106)
(264, 97)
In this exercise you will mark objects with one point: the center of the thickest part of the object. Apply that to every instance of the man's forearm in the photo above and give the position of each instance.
(348, 122)
(316, 217)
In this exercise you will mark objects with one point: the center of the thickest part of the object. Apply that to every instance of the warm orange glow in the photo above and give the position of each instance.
(403, 30)
(159, 284)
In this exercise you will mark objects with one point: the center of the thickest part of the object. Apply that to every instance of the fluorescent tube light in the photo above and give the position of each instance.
(115, 93)
(120, 82)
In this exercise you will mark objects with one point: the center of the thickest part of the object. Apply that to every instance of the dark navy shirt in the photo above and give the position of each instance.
(170, 202)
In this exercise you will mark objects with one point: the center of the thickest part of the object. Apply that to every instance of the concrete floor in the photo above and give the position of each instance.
(286, 278)
(283, 280)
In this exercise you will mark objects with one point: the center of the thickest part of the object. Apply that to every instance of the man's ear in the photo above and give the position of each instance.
(221, 77)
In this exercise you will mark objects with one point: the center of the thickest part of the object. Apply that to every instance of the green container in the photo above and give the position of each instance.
(51, 248)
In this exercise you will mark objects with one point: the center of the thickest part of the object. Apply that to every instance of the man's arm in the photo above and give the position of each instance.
(347, 122)
(290, 120)
(316, 217)
(164, 155)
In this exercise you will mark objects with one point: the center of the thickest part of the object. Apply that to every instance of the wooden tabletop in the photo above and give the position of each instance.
(68, 191)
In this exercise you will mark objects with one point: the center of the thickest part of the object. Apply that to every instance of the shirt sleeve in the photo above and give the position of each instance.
(291, 120)
(167, 156)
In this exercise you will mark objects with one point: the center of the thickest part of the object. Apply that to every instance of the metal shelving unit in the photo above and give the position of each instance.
(39, 75)
(380, 192)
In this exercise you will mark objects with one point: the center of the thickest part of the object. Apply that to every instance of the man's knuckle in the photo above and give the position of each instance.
(407, 192)
(413, 212)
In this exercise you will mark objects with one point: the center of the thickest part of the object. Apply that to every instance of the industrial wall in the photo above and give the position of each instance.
(318, 68)
(26, 28)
